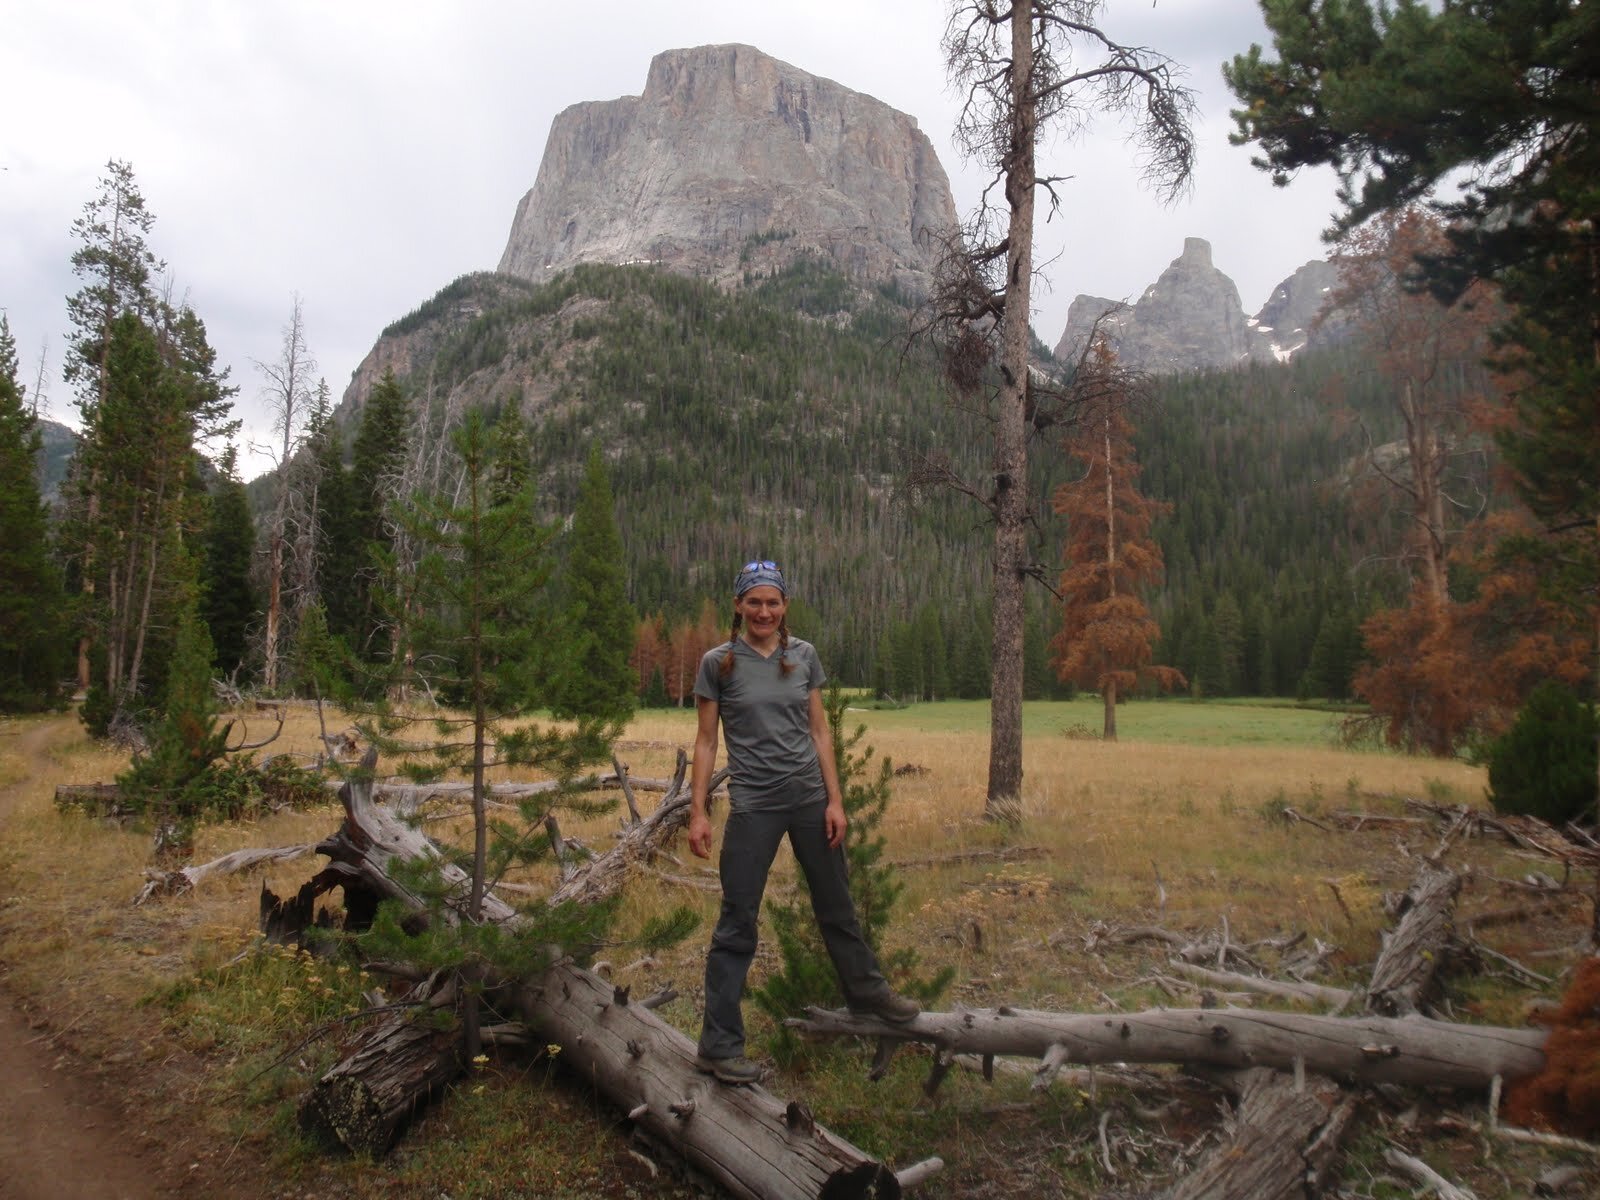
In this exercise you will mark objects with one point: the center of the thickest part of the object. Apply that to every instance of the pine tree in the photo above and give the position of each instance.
(32, 604)
(1544, 764)
(1227, 622)
(596, 679)
(117, 269)
(970, 676)
(228, 600)
(150, 394)
(483, 563)
(1024, 69)
(173, 779)
(138, 507)
(1487, 113)
(376, 461)
(327, 552)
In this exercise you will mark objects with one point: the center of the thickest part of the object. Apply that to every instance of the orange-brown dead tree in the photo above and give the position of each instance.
(1427, 356)
(1107, 636)
(649, 653)
(1442, 670)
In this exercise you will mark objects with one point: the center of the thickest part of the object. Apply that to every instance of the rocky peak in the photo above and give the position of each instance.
(1191, 317)
(732, 161)
(1288, 320)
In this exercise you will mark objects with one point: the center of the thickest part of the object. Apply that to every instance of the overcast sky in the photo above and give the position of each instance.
(365, 154)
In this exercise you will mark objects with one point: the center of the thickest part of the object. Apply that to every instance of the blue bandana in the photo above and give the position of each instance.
(761, 573)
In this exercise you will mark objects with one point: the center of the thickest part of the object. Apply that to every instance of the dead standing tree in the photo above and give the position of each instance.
(289, 397)
(1027, 66)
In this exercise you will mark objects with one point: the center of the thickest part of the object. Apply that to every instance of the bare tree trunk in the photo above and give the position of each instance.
(290, 398)
(1004, 799)
(85, 642)
(269, 642)
(149, 588)
(1109, 692)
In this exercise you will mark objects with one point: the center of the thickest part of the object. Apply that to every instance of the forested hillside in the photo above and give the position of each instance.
(783, 420)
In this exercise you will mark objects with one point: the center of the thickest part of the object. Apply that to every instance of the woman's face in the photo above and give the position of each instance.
(762, 609)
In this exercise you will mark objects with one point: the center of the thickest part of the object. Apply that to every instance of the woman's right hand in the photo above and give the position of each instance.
(699, 835)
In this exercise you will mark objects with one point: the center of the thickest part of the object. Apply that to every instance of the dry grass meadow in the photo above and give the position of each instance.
(1177, 824)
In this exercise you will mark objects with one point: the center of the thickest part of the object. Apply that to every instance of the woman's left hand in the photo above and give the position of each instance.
(835, 822)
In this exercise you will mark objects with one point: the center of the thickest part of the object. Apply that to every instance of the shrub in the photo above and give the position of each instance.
(1544, 765)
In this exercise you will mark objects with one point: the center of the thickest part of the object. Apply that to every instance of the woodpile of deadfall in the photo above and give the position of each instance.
(1296, 1082)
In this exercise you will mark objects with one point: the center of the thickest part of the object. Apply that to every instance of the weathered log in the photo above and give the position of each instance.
(1412, 1050)
(1285, 1137)
(1417, 949)
(749, 1141)
(366, 1099)
(96, 799)
(1355, 822)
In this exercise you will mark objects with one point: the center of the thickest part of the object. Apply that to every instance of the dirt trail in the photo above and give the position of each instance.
(60, 1139)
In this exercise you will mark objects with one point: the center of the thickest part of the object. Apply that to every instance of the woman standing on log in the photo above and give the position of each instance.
(764, 688)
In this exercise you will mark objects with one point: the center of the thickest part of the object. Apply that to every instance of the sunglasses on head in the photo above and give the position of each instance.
(762, 564)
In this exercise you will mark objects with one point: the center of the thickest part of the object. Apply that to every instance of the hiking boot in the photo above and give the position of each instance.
(887, 1006)
(737, 1069)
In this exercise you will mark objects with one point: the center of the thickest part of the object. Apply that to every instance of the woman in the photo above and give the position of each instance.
(763, 687)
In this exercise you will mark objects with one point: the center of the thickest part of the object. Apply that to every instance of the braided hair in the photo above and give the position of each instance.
(784, 665)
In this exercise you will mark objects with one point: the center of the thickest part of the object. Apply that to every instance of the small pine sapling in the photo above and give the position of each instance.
(806, 976)
(176, 779)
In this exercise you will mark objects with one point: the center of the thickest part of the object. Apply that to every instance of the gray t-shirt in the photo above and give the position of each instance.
(766, 723)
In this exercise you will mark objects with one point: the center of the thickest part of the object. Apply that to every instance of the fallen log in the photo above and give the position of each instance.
(365, 1100)
(105, 799)
(1285, 1137)
(1417, 949)
(751, 1142)
(747, 1140)
(95, 799)
(636, 845)
(1436, 1183)
(1413, 1050)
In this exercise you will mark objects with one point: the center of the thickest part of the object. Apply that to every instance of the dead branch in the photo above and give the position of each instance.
(1311, 993)
(175, 883)
(1425, 1175)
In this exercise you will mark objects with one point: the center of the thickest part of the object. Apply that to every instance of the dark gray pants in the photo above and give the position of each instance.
(749, 844)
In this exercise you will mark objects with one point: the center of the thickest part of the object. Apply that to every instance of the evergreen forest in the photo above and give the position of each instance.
(662, 429)
(786, 420)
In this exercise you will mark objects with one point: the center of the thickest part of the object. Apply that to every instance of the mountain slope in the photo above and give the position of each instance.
(781, 420)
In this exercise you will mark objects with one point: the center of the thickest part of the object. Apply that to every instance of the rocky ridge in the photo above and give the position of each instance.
(729, 162)
(1191, 318)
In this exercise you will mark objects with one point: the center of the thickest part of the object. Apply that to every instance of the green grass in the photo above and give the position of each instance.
(1186, 722)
